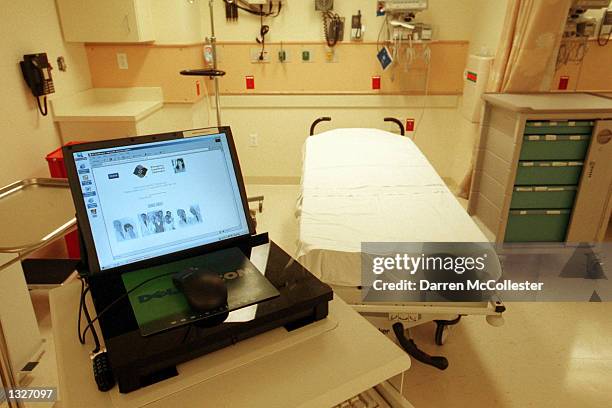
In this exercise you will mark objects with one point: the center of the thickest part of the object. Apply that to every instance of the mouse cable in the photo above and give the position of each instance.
(90, 322)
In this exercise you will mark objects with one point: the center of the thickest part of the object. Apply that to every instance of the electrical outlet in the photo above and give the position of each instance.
(258, 57)
(122, 61)
(253, 140)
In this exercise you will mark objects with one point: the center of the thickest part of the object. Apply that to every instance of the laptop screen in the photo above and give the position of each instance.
(153, 199)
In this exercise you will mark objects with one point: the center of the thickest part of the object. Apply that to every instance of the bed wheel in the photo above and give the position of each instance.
(442, 329)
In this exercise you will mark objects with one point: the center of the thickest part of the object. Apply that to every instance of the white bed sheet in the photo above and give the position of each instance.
(361, 185)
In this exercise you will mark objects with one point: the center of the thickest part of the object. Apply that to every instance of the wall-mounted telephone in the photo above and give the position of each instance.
(333, 24)
(36, 71)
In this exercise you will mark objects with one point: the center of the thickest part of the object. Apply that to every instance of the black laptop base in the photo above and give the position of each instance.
(138, 361)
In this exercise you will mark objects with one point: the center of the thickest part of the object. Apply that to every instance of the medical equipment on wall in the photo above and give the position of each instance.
(260, 8)
(399, 31)
(605, 29)
(475, 78)
(357, 27)
(333, 24)
(324, 5)
(578, 29)
(36, 72)
(401, 10)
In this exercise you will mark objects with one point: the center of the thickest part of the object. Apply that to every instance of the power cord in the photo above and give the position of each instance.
(40, 108)
(120, 298)
(102, 369)
(263, 30)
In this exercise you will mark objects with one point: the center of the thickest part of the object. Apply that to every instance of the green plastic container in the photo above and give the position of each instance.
(537, 225)
(555, 147)
(543, 197)
(544, 173)
(566, 127)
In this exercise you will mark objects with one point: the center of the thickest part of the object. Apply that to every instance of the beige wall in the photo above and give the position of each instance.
(30, 26)
(282, 123)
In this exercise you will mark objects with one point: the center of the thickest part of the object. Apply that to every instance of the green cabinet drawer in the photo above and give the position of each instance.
(537, 225)
(552, 197)
(566, 127)
(538, 173)
(555, 147)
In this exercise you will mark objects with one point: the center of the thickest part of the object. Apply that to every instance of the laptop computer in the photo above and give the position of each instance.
(150, 206)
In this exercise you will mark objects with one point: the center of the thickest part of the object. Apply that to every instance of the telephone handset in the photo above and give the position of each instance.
(333, 24)
(36, 71)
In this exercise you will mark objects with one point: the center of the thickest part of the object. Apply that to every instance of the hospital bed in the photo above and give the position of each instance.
(369, 185)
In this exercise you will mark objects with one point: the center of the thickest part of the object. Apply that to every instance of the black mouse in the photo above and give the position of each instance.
(205, 290)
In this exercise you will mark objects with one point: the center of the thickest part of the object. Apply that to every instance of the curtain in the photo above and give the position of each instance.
(527, 52)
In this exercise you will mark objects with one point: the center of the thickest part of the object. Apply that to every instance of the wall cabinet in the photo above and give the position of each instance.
(543, 170)
(112, 21)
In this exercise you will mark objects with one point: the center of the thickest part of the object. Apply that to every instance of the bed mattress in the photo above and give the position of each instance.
(368, 185)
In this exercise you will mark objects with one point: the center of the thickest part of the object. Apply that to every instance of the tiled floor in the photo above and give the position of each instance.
(546, 354)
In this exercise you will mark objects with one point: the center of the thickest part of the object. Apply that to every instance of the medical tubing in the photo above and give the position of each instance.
(408, 345)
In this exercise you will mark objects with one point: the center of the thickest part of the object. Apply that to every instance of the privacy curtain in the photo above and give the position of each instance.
(527, 52)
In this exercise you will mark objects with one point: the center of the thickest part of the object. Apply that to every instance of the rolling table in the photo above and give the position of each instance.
(33, 213)
(318, 365)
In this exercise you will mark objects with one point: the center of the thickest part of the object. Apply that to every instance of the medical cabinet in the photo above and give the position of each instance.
(543, 170)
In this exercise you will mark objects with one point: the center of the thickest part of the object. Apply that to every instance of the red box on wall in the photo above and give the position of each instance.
(409, 125)
(57, 169)
(375, 82)
(250, 82)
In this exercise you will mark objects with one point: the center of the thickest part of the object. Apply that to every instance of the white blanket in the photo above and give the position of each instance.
(368, 185)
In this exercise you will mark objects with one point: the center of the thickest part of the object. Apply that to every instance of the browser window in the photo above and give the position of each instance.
(153, 199)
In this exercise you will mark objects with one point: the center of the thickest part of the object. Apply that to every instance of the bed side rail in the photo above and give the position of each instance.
(398, 123)
(317, 121)
(328, 119)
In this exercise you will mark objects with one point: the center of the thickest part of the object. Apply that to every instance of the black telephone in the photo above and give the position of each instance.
(36, 71)
(333, 24)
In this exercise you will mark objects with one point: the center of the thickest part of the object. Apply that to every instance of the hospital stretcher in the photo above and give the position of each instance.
(369, 185)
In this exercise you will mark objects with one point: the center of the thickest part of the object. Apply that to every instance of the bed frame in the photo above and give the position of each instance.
(395, 319)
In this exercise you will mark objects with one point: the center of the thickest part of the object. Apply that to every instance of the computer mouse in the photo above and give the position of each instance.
(204, 290)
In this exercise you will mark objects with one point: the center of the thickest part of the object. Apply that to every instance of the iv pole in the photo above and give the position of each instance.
(213, 73)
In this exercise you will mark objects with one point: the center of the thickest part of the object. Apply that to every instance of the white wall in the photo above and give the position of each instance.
(486, 26)
(282, 124)
(177, 21)
(30, 26)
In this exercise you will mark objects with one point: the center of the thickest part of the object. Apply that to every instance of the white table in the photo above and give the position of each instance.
(319, 365)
